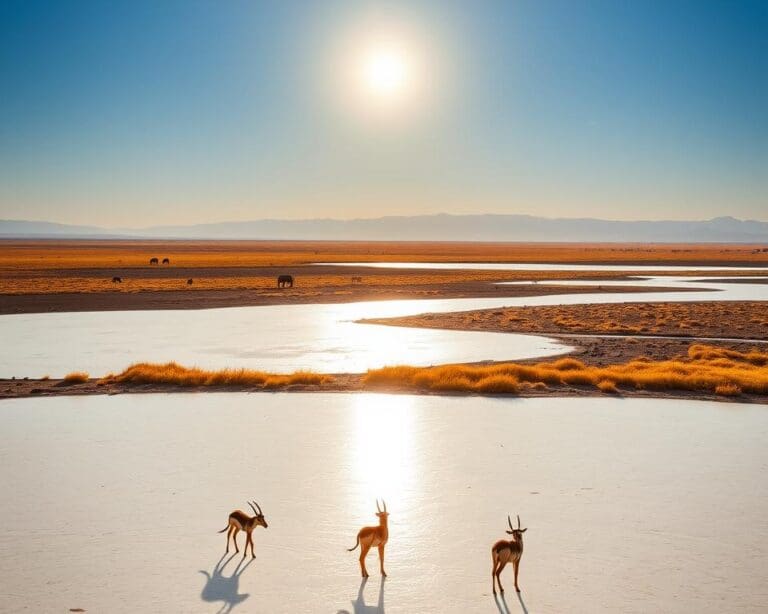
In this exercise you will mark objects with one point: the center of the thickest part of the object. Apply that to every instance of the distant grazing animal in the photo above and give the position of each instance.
(504, 551)
(357, 280)
(117, 280)
(153, 261)
(285, 280)
(166, 261)
(240, 521)
(189, 282)
(368, 537)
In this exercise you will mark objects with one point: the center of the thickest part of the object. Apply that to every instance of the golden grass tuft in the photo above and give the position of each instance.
(705, 369)
(174, 374)
(728, 390)
(76, 377)
(607, 386)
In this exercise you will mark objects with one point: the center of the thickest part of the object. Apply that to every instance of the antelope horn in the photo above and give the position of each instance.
(378, 509)
(518, 521)
(385, 505)
(509, 522)
(253, 508)
(260, 512)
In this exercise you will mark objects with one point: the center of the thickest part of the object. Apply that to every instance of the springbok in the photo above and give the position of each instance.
(373, 536)
(504, 551)
(240, 521)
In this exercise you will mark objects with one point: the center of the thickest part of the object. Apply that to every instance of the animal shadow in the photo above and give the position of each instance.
(501, 603)
(360, 607)
(219, 587)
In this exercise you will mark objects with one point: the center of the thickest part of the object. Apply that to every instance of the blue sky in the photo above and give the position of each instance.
(182, 112)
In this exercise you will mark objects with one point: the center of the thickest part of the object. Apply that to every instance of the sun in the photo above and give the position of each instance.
(385, 73)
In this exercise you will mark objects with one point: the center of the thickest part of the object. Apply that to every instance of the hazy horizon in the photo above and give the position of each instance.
(188, 113)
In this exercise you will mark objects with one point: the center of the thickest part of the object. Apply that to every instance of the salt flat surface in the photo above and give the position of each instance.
(112, 504)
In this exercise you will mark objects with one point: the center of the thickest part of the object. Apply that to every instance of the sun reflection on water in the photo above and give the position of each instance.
(383, 453)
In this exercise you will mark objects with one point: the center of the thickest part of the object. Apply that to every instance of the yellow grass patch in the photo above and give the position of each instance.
(107, 253)
(178, 375)
(705, 369)
(76, 377)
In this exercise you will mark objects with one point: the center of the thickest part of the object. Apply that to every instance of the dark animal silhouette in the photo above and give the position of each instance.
(357, 280)
(189, 282)
(360, 607)
(153, 261)
(285, 281)
(166, 261)
(224, 588)
(117, 280)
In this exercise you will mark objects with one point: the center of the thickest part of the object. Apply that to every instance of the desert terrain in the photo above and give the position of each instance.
(78, 275)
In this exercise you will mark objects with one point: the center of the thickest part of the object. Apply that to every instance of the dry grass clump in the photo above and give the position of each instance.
(728, 390)
(607, 386)
(704, 369)
(76, 377)
(175, 374)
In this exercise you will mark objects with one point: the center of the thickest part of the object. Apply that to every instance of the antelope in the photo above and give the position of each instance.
(240, 521)
(504, 551)
(373, 536)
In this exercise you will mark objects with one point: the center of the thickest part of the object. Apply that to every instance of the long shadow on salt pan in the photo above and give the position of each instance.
(219, 587)
(501, 603)
(360, 607)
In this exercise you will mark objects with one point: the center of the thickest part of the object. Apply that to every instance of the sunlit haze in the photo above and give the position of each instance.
(181, 113)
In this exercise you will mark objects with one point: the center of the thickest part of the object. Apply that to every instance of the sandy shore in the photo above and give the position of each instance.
(746, 320)
(595, 351)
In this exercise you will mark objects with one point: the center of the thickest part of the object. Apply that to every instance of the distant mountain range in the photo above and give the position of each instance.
(423, 228)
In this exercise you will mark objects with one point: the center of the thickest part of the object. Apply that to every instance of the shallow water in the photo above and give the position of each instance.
(281, 338)
(284, 338)
(112, 504)
(528, 266)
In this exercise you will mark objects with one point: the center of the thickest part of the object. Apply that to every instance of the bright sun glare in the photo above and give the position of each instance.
(385, 72)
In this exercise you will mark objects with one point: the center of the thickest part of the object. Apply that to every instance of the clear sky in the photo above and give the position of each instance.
(141, 113)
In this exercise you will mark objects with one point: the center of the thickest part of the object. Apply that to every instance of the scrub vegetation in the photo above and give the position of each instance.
(726, 319)
(174, 374)
(704, 369)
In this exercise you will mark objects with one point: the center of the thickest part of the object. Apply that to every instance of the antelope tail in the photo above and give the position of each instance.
(357, 543)
(224, 529)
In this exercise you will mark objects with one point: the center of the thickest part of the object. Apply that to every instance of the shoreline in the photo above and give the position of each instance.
(14, 304)
(348, 383)
(595, 351)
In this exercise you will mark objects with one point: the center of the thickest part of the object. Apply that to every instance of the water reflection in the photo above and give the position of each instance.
(526, 266)
(383, 457)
